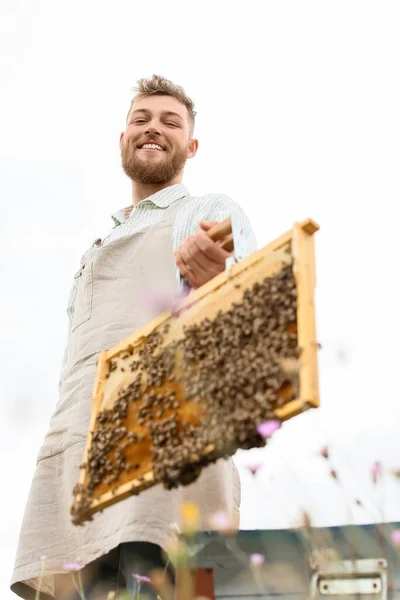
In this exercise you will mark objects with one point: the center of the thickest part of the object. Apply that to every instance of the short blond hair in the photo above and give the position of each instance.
(158, 84)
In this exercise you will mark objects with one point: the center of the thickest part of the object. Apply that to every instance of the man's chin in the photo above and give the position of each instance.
(152, 170)
(149, 176)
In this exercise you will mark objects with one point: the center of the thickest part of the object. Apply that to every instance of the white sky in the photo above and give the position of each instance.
(298, 115)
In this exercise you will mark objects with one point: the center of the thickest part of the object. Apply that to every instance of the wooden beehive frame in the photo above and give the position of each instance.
(218, 294)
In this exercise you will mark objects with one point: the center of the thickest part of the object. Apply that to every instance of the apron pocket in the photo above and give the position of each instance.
(84, 296)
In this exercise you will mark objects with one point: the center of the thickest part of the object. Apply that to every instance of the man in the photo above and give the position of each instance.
(159, 241)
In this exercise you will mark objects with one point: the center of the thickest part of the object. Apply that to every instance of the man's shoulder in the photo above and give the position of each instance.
(210, 201)
(211, 197)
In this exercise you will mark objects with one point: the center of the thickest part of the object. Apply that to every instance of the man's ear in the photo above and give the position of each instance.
(121, 137)
(192, 148)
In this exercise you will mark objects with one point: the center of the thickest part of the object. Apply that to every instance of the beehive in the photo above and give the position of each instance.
(193, 384)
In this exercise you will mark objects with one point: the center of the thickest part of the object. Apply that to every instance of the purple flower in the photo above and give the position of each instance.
(325, 452)
(72, 566)
(220, 521)
(141, 578)
(268, 428)
(154, 300)
(256, 559)
(396, 538)
(376, 471)
(254, 468)
(176, 300)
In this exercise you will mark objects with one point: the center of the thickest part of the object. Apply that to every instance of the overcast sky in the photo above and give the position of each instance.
(298, 116)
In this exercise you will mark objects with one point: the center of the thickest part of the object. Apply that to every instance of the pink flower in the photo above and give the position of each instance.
(268, 428)
(176, 300)
(154, 300)
(254, 468)
(325, 452)
(72, 566)
(221, 522)
(141, 578)
(256, 559)
(376, 471)
(396, 538)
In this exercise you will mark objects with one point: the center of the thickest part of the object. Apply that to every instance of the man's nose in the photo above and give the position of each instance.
(152, 130)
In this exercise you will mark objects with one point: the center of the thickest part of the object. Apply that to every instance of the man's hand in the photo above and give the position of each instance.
(199, 259)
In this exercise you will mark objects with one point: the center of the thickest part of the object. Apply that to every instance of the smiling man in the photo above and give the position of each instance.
(158, 244)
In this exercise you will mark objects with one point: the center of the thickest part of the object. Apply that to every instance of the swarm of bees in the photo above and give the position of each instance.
(231, 366)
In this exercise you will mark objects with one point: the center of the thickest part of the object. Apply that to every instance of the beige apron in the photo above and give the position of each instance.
(110, 305)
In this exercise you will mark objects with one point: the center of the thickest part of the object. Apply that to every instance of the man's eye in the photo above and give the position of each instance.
(171, 124)
(139, 121)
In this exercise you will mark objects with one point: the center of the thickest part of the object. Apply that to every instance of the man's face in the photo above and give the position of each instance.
(156, 142)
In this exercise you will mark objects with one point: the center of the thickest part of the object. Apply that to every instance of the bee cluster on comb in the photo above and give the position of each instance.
(186, 403)
(197, 383)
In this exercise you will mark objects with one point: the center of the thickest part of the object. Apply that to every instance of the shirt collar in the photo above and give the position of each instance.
(161, 199)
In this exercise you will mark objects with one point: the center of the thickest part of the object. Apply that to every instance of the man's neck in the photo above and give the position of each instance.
(140, 191)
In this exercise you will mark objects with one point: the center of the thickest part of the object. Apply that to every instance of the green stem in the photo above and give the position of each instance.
(81, 590)
(233, 546)
(138, 590)
(78, 584)
(37, 593)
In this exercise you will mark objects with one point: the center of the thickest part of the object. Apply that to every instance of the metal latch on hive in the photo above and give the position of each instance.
(351, 578)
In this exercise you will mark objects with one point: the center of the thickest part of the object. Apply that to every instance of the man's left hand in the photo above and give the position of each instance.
(199, 259)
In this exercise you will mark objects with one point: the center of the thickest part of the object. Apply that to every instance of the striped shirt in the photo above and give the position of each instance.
(210, 207)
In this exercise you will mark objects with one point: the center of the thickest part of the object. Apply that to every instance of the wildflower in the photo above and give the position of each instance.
(179, 298)
(141, 578)
(177, 552)
(268, 428)
(325, 452)
(376, 471)
(334, 474)
(256, 559)
(175, 528)
(306, 519)
(72, 566)
(254, 468)
(222, 523)
(190, 515)
(154, 300)
(396, 538)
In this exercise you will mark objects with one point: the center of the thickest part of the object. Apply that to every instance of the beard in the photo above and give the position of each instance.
(149, 171)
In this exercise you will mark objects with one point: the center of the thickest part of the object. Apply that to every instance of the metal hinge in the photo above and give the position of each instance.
(351, 577)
